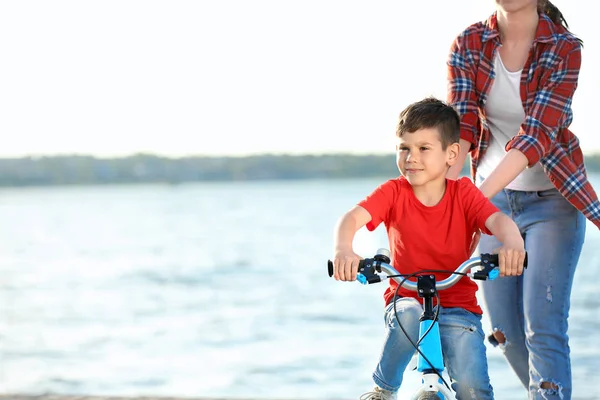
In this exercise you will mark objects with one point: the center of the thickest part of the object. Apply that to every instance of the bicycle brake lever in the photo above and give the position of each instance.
(361, 279)
(368, 272)
(491, 265)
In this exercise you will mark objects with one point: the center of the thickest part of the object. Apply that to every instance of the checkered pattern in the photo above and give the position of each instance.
(548, 82)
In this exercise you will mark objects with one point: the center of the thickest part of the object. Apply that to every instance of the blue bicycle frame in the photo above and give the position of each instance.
(430, 344)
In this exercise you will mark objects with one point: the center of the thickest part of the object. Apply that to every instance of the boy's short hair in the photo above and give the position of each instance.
(431, 113)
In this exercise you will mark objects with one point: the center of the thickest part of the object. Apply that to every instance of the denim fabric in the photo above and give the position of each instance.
(462, 347)
(532, 310)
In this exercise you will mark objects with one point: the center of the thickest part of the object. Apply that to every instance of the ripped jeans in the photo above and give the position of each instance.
(532, 310)
(462, 347)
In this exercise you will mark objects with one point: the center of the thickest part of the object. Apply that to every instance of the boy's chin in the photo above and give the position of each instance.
(414, 180)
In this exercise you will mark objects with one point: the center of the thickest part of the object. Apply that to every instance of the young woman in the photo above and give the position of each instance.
(512, 79)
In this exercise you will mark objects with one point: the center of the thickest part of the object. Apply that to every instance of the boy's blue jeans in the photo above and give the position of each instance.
(531, 310)
(462, 345)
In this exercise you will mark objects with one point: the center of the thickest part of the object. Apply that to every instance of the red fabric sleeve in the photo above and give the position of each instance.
(379, 203)
(551, 109)
(461, 87)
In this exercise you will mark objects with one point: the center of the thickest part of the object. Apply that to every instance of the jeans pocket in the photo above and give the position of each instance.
(549, 193)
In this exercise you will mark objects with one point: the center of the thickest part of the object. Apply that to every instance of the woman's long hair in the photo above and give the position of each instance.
(546, 7)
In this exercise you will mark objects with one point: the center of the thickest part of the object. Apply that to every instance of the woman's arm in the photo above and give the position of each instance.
(513, 163)
(463, 97)
(551, 108)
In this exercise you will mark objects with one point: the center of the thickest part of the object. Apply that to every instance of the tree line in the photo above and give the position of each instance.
(148, 168)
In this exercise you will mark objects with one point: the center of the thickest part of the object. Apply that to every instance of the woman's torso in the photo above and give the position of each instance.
(505, 114)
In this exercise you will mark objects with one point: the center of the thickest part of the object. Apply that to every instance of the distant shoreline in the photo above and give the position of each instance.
(148, 168)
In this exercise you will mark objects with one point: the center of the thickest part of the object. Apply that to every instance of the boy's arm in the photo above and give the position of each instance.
(345, 260)
(512, 253)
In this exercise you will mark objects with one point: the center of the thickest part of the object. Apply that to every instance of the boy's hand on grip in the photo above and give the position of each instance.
(511, 258)
(345, 265)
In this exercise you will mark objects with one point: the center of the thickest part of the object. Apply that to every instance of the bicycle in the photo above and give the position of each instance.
(429, 346)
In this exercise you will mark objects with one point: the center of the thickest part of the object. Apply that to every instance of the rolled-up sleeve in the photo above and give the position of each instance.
(551, 108)
(461, 89)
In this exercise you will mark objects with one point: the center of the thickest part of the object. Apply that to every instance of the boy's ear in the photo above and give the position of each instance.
(452, 152)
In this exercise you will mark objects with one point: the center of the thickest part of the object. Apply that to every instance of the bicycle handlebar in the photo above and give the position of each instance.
(369, 268)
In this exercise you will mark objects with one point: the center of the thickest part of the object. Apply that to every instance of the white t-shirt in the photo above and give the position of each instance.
(505, 114)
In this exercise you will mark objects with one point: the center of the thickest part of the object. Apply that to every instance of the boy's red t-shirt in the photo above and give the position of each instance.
(437, 237)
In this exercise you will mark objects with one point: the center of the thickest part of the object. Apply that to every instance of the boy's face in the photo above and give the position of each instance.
(420, 156)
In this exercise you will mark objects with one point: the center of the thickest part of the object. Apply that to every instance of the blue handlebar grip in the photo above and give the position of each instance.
(361, 278)
(493, 274)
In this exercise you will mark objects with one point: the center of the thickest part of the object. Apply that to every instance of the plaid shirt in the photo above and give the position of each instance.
(548, 82)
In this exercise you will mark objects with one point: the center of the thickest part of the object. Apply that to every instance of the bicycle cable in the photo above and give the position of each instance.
(435, 317)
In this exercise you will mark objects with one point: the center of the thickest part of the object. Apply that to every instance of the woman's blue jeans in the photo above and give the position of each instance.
(531, 310)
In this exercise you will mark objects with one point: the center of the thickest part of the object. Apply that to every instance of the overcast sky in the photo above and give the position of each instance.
(236, 77)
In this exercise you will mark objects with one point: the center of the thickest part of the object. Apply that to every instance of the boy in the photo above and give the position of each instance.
(430, 222)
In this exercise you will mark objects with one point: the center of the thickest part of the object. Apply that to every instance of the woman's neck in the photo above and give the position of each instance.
(517, 26)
